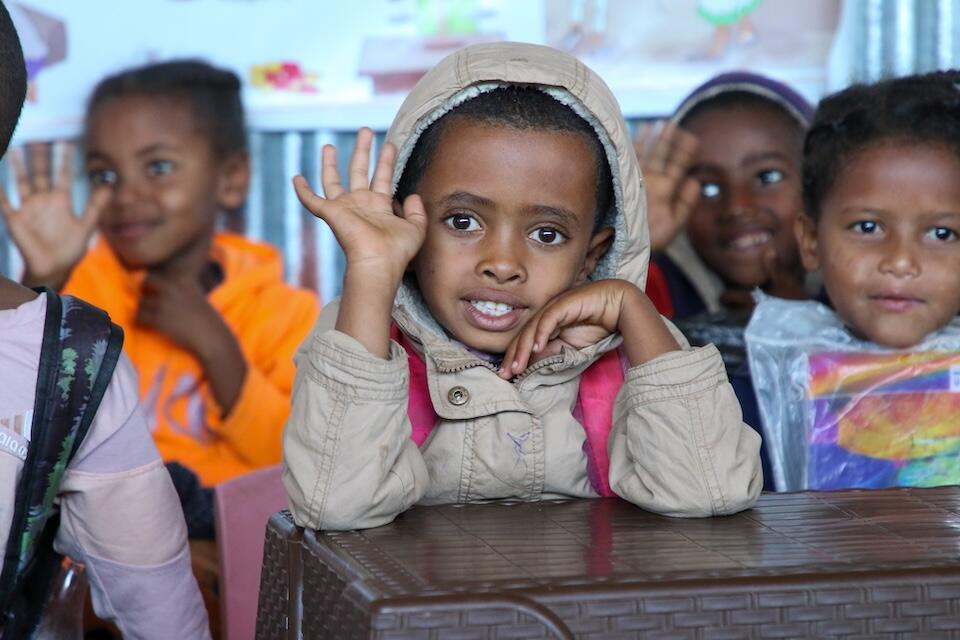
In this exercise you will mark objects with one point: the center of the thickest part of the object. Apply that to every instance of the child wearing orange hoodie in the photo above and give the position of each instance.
(210, 325)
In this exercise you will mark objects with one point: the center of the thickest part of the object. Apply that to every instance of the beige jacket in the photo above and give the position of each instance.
(678, 445)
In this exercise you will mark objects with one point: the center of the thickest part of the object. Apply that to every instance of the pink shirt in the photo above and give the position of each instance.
(120, 515)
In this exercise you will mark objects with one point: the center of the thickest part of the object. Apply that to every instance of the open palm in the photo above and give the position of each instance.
(362, 218)
(50, 236)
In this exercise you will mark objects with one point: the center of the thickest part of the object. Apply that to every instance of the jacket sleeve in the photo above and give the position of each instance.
(121, 518)
(678, 445)
(349, 461)
(254, 426)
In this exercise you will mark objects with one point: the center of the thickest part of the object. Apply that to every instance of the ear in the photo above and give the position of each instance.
(805, 231)
(599, 244)
(233, 181)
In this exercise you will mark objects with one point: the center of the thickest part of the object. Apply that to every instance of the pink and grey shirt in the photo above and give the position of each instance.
(120, 515)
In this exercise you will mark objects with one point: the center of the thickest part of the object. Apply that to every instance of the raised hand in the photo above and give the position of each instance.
(373, 236)
(45, 228)
(783, 280)
(585, 315)
(666, 153)
(378, 240)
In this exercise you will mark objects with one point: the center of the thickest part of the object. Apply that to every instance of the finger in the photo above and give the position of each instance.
(640, 142)
(506, 365)
(360, 160)
(66, 152)
(329, 173)
(383, 175)
(40, 165)
(688, 195)
(683, 153)
(663, 147)
(6, 209)
(95, 206)
(24, 190)
(415, 213)
(311, 201)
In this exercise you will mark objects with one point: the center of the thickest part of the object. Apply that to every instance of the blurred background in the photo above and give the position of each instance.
(316, 70)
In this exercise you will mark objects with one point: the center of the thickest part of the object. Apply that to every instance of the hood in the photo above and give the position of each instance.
(705, 281)
(473, 70)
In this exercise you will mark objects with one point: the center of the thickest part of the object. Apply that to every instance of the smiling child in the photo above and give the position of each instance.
(211, 327)
(495, 264)
(882, 226)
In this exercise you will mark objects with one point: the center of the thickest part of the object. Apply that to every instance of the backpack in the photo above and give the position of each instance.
(598, 390)
(79, 352)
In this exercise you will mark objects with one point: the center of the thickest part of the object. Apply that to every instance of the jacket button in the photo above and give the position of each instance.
(458, 396)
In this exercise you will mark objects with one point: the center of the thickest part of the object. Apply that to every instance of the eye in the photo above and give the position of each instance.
(710, 190)
(770, 176)
(548, 236)
(462, 222)
(102, 176)
(865, 227)
(942, 234)
(159, 168)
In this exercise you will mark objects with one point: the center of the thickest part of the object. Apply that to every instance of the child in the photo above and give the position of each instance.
(210, 325)
(882, 226)
(118, 511)
(739, 232)
(495, 258)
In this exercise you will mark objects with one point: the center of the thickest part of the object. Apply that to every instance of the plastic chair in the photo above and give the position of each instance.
(243, 506)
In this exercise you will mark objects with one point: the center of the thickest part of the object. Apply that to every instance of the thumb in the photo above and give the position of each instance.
(95, 206)
(415, 213)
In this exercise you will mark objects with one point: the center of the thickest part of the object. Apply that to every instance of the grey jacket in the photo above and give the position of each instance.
(678, 445)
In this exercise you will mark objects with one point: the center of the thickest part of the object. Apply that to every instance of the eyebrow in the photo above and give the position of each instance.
(764, 156)
(144, 151)
(471, 199)
(859, 210)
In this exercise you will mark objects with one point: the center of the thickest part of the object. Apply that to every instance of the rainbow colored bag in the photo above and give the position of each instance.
(842, 413)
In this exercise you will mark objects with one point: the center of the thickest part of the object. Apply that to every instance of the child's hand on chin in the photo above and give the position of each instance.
(374, 237)
(584, 315)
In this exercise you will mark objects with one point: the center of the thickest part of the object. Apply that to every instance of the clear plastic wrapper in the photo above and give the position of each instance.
(841, 413)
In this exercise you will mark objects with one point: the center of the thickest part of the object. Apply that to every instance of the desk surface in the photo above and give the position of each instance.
(849, 564)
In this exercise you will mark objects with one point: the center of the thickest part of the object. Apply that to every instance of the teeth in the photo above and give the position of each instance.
(489, 308)
(751, 240)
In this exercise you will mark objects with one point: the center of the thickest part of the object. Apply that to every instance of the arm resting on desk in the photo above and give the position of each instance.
(349, 462)
(679, 445)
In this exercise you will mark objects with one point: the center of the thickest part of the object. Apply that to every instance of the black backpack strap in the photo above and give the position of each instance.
(79, 352)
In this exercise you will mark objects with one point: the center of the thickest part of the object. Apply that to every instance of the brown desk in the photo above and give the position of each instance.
(855, 564)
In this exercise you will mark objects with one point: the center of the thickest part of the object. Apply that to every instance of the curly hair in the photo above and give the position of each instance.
(213, 94)
(920, 108)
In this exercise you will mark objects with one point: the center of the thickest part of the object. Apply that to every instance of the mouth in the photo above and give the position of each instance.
(896, 302)
(132, 229)
(493, 310)
(749, 241)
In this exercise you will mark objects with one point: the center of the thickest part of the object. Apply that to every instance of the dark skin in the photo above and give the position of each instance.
(12, 295)
(748, 166)
(157, 189)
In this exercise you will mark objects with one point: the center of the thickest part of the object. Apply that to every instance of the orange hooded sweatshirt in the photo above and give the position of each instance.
(269, 318)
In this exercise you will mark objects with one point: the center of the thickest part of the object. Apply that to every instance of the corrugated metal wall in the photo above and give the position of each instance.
(889, 37)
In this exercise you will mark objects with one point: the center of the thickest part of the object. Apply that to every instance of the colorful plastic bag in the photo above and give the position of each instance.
(842, 413)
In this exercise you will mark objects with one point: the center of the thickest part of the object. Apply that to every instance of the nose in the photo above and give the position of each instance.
(741, 202)
(125, 193)
(900, 259)
(502, 261)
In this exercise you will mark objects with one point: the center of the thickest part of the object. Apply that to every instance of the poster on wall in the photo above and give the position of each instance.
(311, 64)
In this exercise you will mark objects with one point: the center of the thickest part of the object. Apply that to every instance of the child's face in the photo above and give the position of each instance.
(748, 166)
(167, 186)
(887, 242)
(510, 226)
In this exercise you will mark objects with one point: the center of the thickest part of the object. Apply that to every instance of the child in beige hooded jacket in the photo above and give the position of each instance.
(502, 261)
